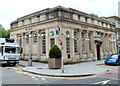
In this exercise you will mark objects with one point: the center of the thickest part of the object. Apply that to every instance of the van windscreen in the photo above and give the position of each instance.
(10, 49)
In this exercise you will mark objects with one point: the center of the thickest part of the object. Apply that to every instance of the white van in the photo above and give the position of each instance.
(9, 51)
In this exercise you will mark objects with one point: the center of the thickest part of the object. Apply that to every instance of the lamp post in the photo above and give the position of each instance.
(30, 53)
(60, 40)
(30, 58)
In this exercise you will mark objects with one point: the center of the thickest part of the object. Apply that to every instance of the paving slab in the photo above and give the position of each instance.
(71, 70)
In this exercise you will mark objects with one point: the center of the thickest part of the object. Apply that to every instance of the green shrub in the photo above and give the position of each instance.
(55, 52)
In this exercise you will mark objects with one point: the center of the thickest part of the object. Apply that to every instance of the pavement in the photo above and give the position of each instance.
(70, 70)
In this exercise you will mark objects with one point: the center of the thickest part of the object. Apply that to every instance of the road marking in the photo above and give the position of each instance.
(102, 82)
(26, 73)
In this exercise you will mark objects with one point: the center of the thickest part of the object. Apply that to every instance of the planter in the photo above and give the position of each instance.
(54, 63)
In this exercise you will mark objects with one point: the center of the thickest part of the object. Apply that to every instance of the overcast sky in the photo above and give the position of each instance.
(10, 10)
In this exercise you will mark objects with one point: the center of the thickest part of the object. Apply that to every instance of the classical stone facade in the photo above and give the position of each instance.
(116, 20)
(84, 37)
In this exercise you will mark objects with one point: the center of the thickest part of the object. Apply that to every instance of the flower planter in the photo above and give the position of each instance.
(54, 63)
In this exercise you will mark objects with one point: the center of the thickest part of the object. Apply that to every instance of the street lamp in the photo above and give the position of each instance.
(30, 54)
(60, 40)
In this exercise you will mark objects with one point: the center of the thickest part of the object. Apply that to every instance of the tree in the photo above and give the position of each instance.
(55, 52)
(4, 33)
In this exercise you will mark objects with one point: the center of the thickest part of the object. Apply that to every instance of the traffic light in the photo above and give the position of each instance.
(57, 32)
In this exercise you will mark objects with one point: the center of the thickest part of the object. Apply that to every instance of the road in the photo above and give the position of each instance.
(16, 77)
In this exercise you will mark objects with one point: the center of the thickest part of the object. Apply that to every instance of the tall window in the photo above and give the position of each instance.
(105, 42)
(90, 46)
(20, 40)
(35, 38)
(27, 38)
(52, 42)
(68, 45)
(83, 42)
(43, 43)
(86, 19)
(75, 43)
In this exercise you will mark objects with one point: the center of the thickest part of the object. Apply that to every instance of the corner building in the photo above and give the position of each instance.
(84, 37)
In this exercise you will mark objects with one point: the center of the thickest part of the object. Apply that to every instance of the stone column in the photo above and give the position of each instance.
(115, 44)
(72, 51)
(94, 48)
(47, 43)
(38, 45)
(103, 43)
(30, 44)
(87, 44)
(92, 42)
(80, 44)
(108, 44)
(112, 44)
(23, 45)
(110, 48)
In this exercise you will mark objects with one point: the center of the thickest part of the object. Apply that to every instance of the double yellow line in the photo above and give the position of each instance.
(72, 78)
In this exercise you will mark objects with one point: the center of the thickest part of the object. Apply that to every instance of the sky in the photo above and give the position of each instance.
(10, 10)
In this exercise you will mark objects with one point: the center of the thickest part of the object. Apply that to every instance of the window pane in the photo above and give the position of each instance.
(90, 46)
(83, 42)
(43, 44)
(75, 43)
(35, 38)
(20, 40)
(52, 41)
(68, 45)
(27, 38)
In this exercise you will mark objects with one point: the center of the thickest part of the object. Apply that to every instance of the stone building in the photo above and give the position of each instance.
(116, 20)
(84, 37)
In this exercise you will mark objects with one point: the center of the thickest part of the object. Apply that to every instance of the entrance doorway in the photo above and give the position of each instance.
(98, 52)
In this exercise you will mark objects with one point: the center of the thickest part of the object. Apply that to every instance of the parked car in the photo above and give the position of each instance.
(113, 60)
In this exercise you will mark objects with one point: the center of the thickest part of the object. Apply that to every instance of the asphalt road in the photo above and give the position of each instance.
(13, 76)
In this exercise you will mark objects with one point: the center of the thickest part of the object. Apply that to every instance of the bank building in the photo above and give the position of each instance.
(83, 37)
